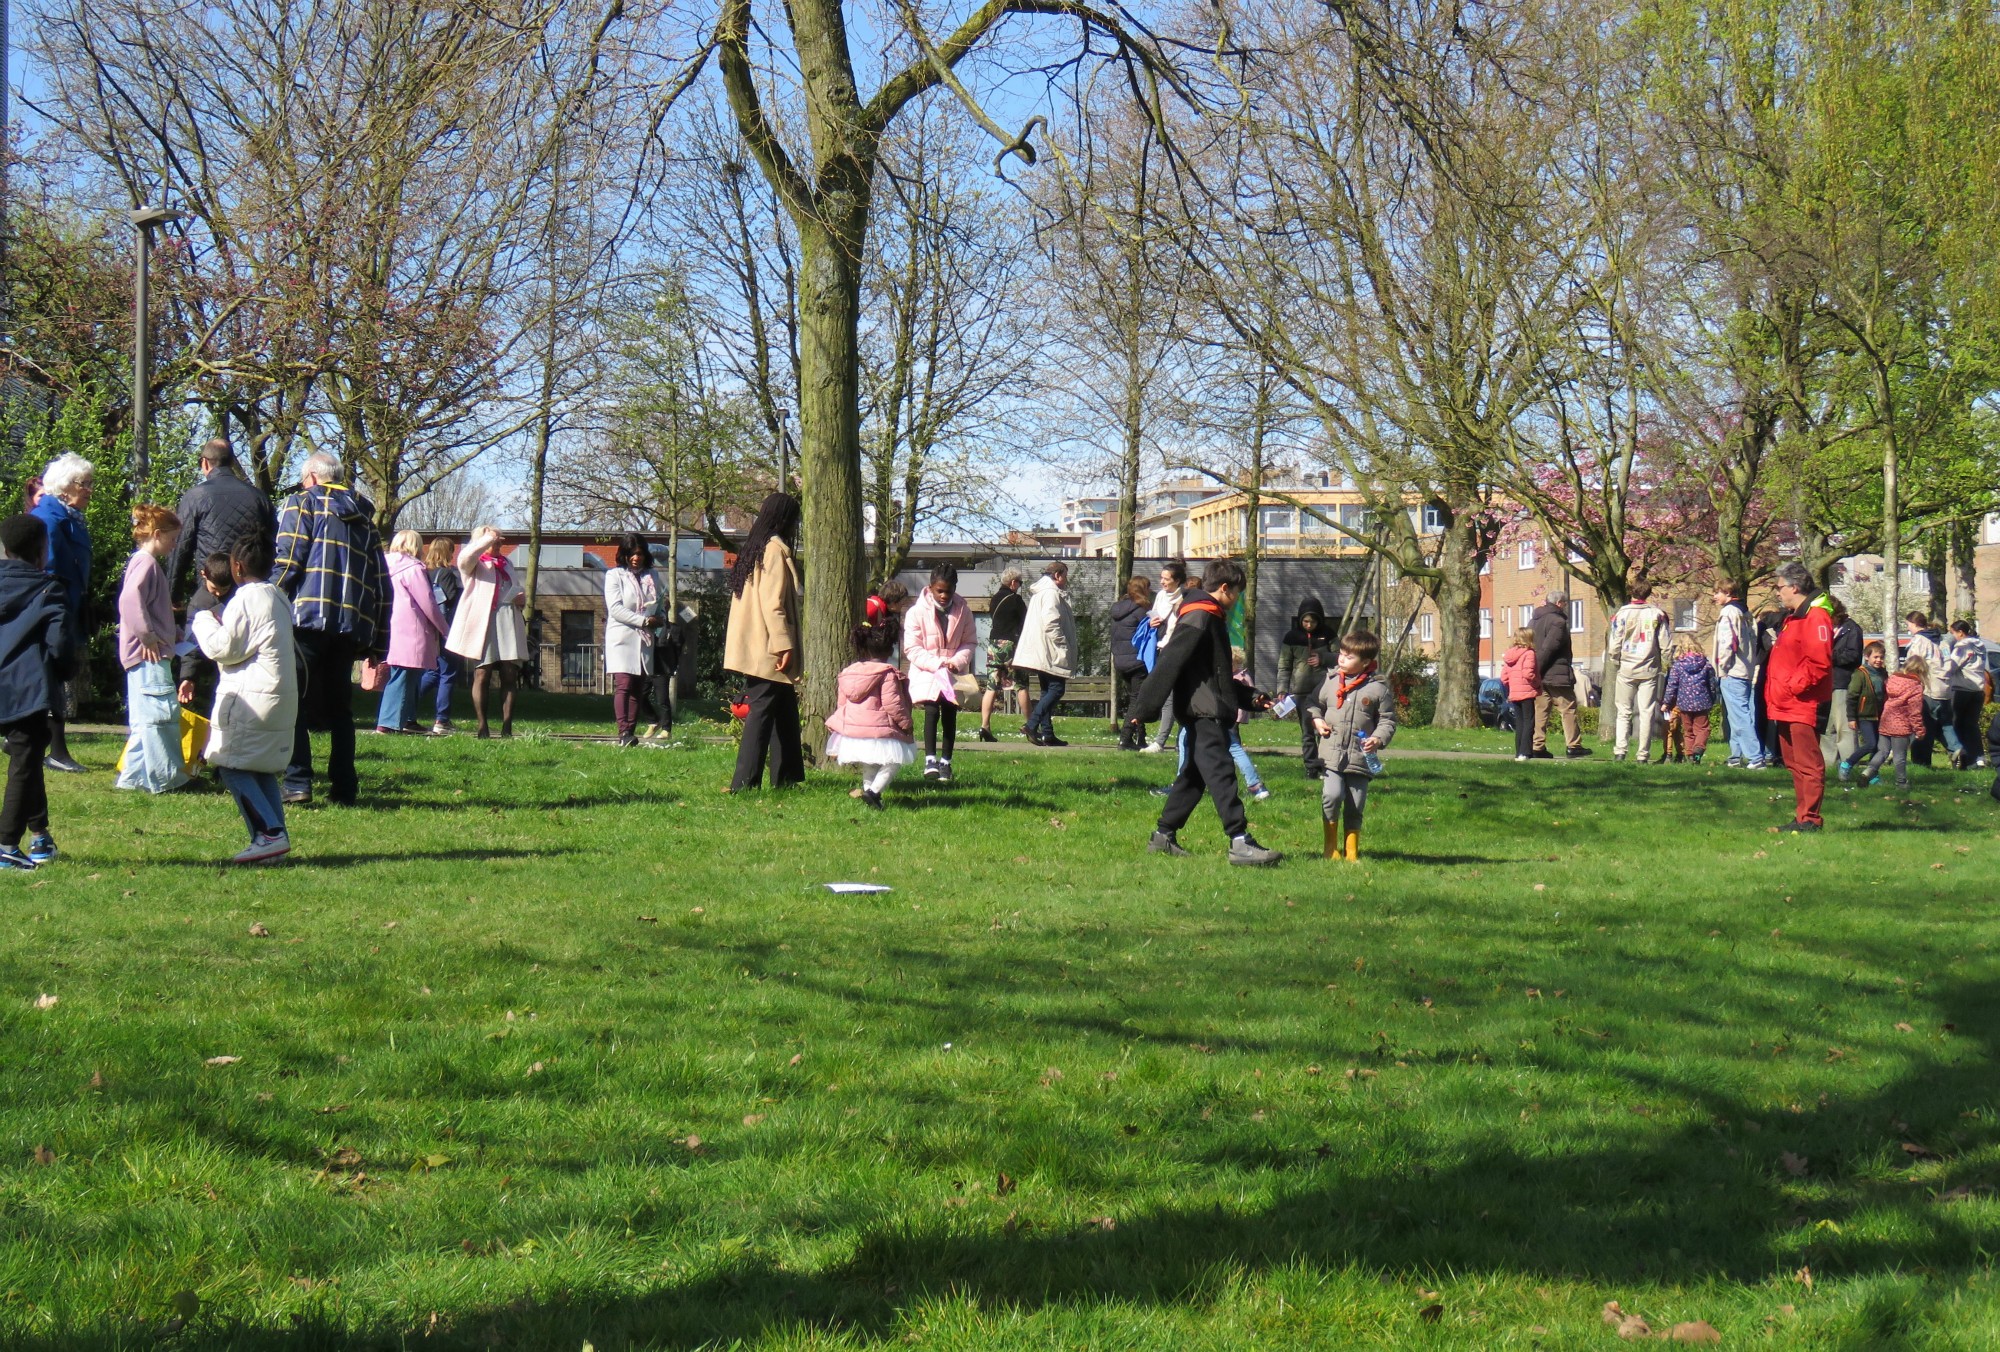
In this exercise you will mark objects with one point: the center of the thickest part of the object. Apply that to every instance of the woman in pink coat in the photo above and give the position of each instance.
(870, 725)
(416, 629)
(937, 643)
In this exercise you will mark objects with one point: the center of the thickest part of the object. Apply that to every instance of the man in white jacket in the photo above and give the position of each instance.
(1639, 641)
(1048, 647)
(1736, 664)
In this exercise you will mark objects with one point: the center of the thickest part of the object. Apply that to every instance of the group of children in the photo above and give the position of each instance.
(248, 635)
(1351, 710)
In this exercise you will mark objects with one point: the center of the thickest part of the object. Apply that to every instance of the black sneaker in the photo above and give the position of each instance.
(1543, 754)
(1800, 826)
(872, 799)
(1163, 842)
(294, 796)
(64, 764)
(1245, 850)
(1577, 753)
(1050, 739)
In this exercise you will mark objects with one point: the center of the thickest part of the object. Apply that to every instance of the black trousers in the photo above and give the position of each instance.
(940, 711)
(326, 701)
(1524, 727)
(1309, 739)
(663, 699)
(773, 725)
(1209, 770)
(26, 807)
(1966, 707)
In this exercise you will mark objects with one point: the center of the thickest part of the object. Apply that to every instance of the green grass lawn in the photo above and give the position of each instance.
(556, 1043)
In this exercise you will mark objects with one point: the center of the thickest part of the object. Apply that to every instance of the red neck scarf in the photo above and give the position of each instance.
(1347, 685)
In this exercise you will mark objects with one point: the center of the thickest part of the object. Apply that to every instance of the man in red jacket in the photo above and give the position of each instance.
(1799, 689)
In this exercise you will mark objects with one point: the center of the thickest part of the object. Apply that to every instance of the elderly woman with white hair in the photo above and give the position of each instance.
(66, 486)
(416, 630)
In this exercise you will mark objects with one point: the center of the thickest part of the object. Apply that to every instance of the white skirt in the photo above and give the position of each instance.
(870, 750)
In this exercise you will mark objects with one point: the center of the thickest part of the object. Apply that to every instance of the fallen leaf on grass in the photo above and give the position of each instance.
(752, 1119)
(46, 1001)
(332, 1108)
(1795, 1165)
(1003, 1184)
(44, 1155)
(693, 1142)
(1058, 823)
(1431, 1314)
(1626, 1325)
(1760, 855)
(1695, 1331)
(392, 924)
(1102, 1222)
(258, 931)
(1804, 1277)
(535, 1069)
(796, 1058)
(1904, 1028)
(649, 920)
(1917, 1152)
(222, 1060)
(347, 1157)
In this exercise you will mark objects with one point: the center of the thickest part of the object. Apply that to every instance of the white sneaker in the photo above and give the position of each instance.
(1259, 794)
(1520, 758)
(264, 849)
(1152, 747)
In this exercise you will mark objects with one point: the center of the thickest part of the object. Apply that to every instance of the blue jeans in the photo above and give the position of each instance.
(153, 748)
(399, 698)
(257, 798)
(437, 684)
(1736, 698)
(1042, 717)
(1244, 766)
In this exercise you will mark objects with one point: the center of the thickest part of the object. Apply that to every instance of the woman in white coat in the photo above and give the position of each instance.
(256, 695)
(1048, 647)
(486, 630)
(631, 615)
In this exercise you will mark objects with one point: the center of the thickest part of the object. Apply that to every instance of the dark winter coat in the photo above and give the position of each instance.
(1010, 613)
(68, 561)
(330, 563)
(1126, 617)
(36, 649)
(1296, 673)
(1550, 626)
(1846, 652)
(216, 513)
(1194, 668)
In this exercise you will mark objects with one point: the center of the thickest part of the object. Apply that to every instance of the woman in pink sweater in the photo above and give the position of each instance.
(870, 726)
(1523, 684)
(146, 637)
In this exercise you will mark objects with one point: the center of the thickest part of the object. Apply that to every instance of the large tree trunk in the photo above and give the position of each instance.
(829, 451)
(1457, 599)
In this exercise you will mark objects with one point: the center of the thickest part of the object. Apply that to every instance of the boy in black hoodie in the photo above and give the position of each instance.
(34, 652)
(1197, 670)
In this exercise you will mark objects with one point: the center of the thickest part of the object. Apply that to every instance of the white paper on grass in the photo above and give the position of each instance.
(846, 888)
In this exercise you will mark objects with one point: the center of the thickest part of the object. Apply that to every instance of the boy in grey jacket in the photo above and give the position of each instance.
(1354, 712)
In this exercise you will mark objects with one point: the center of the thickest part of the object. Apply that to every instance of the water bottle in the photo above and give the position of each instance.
(1368, 758)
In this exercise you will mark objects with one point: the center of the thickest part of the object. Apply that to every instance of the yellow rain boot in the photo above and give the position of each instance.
(1333, 840)
(1353, 847)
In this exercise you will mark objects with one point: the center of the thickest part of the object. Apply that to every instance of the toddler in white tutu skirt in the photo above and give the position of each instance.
(870, 725)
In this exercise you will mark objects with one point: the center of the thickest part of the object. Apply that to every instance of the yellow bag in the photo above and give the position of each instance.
(194, 740)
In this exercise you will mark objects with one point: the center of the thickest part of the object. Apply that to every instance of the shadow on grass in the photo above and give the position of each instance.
(1690, 1207)
(306, 858)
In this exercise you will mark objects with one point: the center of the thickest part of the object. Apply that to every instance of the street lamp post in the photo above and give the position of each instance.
(143, 220)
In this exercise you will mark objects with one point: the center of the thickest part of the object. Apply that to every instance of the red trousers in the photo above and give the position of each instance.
(1798, 748)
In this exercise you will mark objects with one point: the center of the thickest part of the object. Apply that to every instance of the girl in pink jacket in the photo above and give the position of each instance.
(870, 725)
(1524, 686)
(937, 642)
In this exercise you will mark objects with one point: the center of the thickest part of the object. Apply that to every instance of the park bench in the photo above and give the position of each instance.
(1093, 690)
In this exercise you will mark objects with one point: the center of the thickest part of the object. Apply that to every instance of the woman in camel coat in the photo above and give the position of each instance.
(762, 646)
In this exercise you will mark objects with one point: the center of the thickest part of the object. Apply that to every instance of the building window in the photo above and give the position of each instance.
(1684, 616)
(1424, 630)
(1310, 524)
(1357, 519)
(1576, 617)
(1527, 613)
(1433, 519)
(578, 648)
(1485, 622)
(1275, 521)
(1527, 554)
